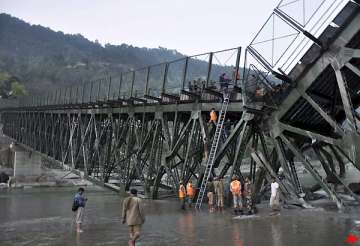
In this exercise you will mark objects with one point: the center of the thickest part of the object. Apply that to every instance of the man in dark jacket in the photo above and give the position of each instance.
(80, 202)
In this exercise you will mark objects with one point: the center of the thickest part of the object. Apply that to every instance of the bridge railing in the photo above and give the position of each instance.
(157, 82)
(9, 103)
(126, 86)
(140, 81)
(292, 28)
(174, 77)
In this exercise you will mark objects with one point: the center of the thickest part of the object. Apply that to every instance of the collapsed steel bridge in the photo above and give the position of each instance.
(295, 103)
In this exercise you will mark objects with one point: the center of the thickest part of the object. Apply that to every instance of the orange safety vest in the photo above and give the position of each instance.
(182, 191)
(189, 190)
(235, 187)
(213, 116)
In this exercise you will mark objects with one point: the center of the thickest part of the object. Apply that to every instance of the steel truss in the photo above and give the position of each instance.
(155, 149)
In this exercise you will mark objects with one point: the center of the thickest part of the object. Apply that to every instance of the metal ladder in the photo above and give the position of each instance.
(214, 147)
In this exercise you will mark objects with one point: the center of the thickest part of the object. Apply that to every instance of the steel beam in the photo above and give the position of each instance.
(332, 194)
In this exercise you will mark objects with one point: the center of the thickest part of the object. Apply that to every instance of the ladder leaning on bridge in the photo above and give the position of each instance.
(214, 146)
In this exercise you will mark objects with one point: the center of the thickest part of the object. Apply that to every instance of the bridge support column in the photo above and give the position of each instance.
(27, 165)
(331, 193)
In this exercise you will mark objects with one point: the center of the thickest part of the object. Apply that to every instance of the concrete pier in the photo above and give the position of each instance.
(27, 165)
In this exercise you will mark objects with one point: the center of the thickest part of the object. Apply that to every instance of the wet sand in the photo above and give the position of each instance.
(44, 217)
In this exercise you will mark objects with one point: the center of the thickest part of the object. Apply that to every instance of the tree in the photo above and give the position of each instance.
(5, 86)
(10, 86)
(18, 89)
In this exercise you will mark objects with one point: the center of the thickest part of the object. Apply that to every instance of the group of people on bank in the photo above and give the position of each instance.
(242, 195)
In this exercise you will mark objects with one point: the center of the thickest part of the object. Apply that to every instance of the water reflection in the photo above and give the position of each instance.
(77, 239)
(276, 233)
(187, 228)
(237, 240)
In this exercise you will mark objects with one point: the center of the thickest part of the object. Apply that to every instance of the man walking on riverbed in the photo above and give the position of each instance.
(133, 215)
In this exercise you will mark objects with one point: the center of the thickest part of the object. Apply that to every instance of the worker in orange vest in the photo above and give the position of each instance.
(182, 195)
(235, 189)
(190, 192)
(213, 116)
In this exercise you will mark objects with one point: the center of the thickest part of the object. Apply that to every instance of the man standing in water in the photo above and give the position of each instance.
(248, 190)
(79, 207)
(133, 215)
(235, 188)
(210, 194)
(274, 198)
(182, 195)
(190, 193)
(219, 193)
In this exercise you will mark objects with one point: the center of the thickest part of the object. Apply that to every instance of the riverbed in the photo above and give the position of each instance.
(43, 216)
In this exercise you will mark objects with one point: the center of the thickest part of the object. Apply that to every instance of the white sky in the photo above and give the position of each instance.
(189, 26)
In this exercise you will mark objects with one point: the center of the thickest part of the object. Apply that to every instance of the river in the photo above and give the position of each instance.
(43, 216)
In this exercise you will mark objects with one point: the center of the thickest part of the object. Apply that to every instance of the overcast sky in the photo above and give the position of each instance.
(190, 26)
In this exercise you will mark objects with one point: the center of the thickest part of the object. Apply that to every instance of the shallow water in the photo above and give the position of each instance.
(44, 217)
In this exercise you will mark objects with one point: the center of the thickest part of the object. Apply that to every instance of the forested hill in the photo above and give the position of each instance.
(40, 58)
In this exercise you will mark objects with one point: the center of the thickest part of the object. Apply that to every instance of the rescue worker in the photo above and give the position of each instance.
(235, 188)
(224, 82)
(213, 116)
(248, 191)
(219, 193)
(182, 195)
(190, 193)
(210, 194)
